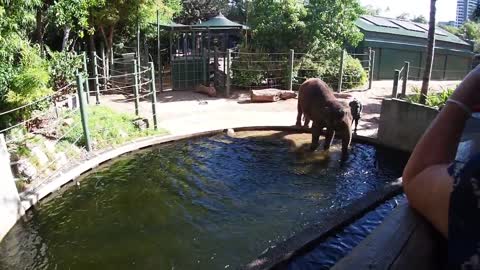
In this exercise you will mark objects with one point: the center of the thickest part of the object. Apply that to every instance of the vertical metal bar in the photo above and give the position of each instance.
(159, 53)
(154, 95)
(372, 67)
(406, 71)
(228, 82)
(138, 45)
(194, 58)
(105, 82)
(445, 67)
(204, 68)
(185, 63)
(396, 77)
(135, 89)
(290, 69)
(171, 59)
(340, 73)
(87, 86)
(95, 74)
(83, 112)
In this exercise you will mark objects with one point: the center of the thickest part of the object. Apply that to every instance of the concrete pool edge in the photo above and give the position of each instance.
(279, 255)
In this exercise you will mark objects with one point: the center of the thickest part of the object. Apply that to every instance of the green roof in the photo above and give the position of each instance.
(220, 21)
(404, 28)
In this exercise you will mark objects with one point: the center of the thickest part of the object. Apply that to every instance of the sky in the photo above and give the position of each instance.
(446, 9)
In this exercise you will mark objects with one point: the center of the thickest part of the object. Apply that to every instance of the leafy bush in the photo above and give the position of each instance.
(327, 69)
(24, 78)
(437, 100)
(62, 67)
(107, 128)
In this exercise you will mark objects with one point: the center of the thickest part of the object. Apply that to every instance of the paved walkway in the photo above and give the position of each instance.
(182, 112)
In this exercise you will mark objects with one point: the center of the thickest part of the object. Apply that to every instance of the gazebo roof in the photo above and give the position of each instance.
(220, 22)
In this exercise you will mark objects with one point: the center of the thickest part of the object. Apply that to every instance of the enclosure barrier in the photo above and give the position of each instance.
(401, 74)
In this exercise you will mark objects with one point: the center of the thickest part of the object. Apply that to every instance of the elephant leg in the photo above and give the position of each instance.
(299, 115)
(316, 128)
(329, 138)
(346, 140)
(307, 122)
(356, 125)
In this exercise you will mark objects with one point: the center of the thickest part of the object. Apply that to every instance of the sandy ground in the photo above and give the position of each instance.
(182, 112)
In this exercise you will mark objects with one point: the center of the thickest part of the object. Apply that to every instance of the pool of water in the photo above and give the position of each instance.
(208, 203)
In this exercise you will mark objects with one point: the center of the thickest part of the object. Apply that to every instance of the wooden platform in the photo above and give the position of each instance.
(403, 241)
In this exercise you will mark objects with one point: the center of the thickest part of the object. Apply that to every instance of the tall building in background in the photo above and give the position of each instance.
(465, 8)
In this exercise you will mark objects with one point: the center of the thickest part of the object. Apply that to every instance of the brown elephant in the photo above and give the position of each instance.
(317, 102)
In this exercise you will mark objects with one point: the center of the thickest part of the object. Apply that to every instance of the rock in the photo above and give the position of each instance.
(49, 146)
(123, 134)
(209, 91)
(39, 155)
(60, 159)
(68, 122)
(26, 169)
(141, 123)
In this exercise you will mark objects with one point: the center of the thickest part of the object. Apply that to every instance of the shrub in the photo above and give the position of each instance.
(327, 69)
(62, 67)
(437, 100)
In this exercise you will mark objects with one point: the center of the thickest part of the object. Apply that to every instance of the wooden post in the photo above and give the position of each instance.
(135, 88)
(83, 112)
(204, 68)
(87, 86)
(138, 45)
(154, 95)
(340, 75)
(371, 54)
(215, 67)
(396, 77)
(95, 74)
(105, 64)
(290, 69)
(406, 71)
(228, 82)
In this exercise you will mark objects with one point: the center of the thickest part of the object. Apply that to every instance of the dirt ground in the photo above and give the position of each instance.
(182, 112)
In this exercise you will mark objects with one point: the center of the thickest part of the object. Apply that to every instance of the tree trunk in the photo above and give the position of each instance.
(66, 34)
(39, 28)
(430, 52)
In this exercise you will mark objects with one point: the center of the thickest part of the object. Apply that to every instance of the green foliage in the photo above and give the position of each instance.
(63, 66)
(195, 11)
(107, 128)
(469, 31)
(420, 19)
(318, 25)
(74, 14)
(437, 99)
(327, 69)
(251, 69)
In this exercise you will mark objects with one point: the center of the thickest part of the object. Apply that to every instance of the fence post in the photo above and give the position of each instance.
(204, 68)
(228, 82)
(215, 67)
(135, 89)
(340, 75)
(371, 54)
(87, 86)
(396, 77)
(83, 112)
(105, 67)
(95, 74)
(406, 71)
(291, 58)
(154, 95)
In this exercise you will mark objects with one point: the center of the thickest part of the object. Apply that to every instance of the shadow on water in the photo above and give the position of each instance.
(208, 203)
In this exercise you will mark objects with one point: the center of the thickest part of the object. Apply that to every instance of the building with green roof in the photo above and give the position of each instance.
(396, 41)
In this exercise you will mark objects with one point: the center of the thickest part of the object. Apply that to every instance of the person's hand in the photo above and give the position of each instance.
(468, 92)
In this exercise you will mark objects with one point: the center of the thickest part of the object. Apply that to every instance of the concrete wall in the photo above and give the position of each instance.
(10, 206)
(403, 123)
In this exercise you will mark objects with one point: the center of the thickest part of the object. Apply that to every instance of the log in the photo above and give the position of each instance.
(284, 95)
(209, 91)
(266, 95)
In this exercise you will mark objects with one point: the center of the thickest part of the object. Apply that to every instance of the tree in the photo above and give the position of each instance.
(280, 25)
(404, 16)
(195, 11)
(430, 52)
(420, 19)
(475, 14)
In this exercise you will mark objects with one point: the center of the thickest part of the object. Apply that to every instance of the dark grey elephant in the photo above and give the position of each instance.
(317, 103)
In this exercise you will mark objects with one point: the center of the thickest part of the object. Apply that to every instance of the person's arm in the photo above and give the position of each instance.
(426, 181)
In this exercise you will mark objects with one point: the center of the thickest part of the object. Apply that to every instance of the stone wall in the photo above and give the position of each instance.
(402, 123)
(10, 206)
